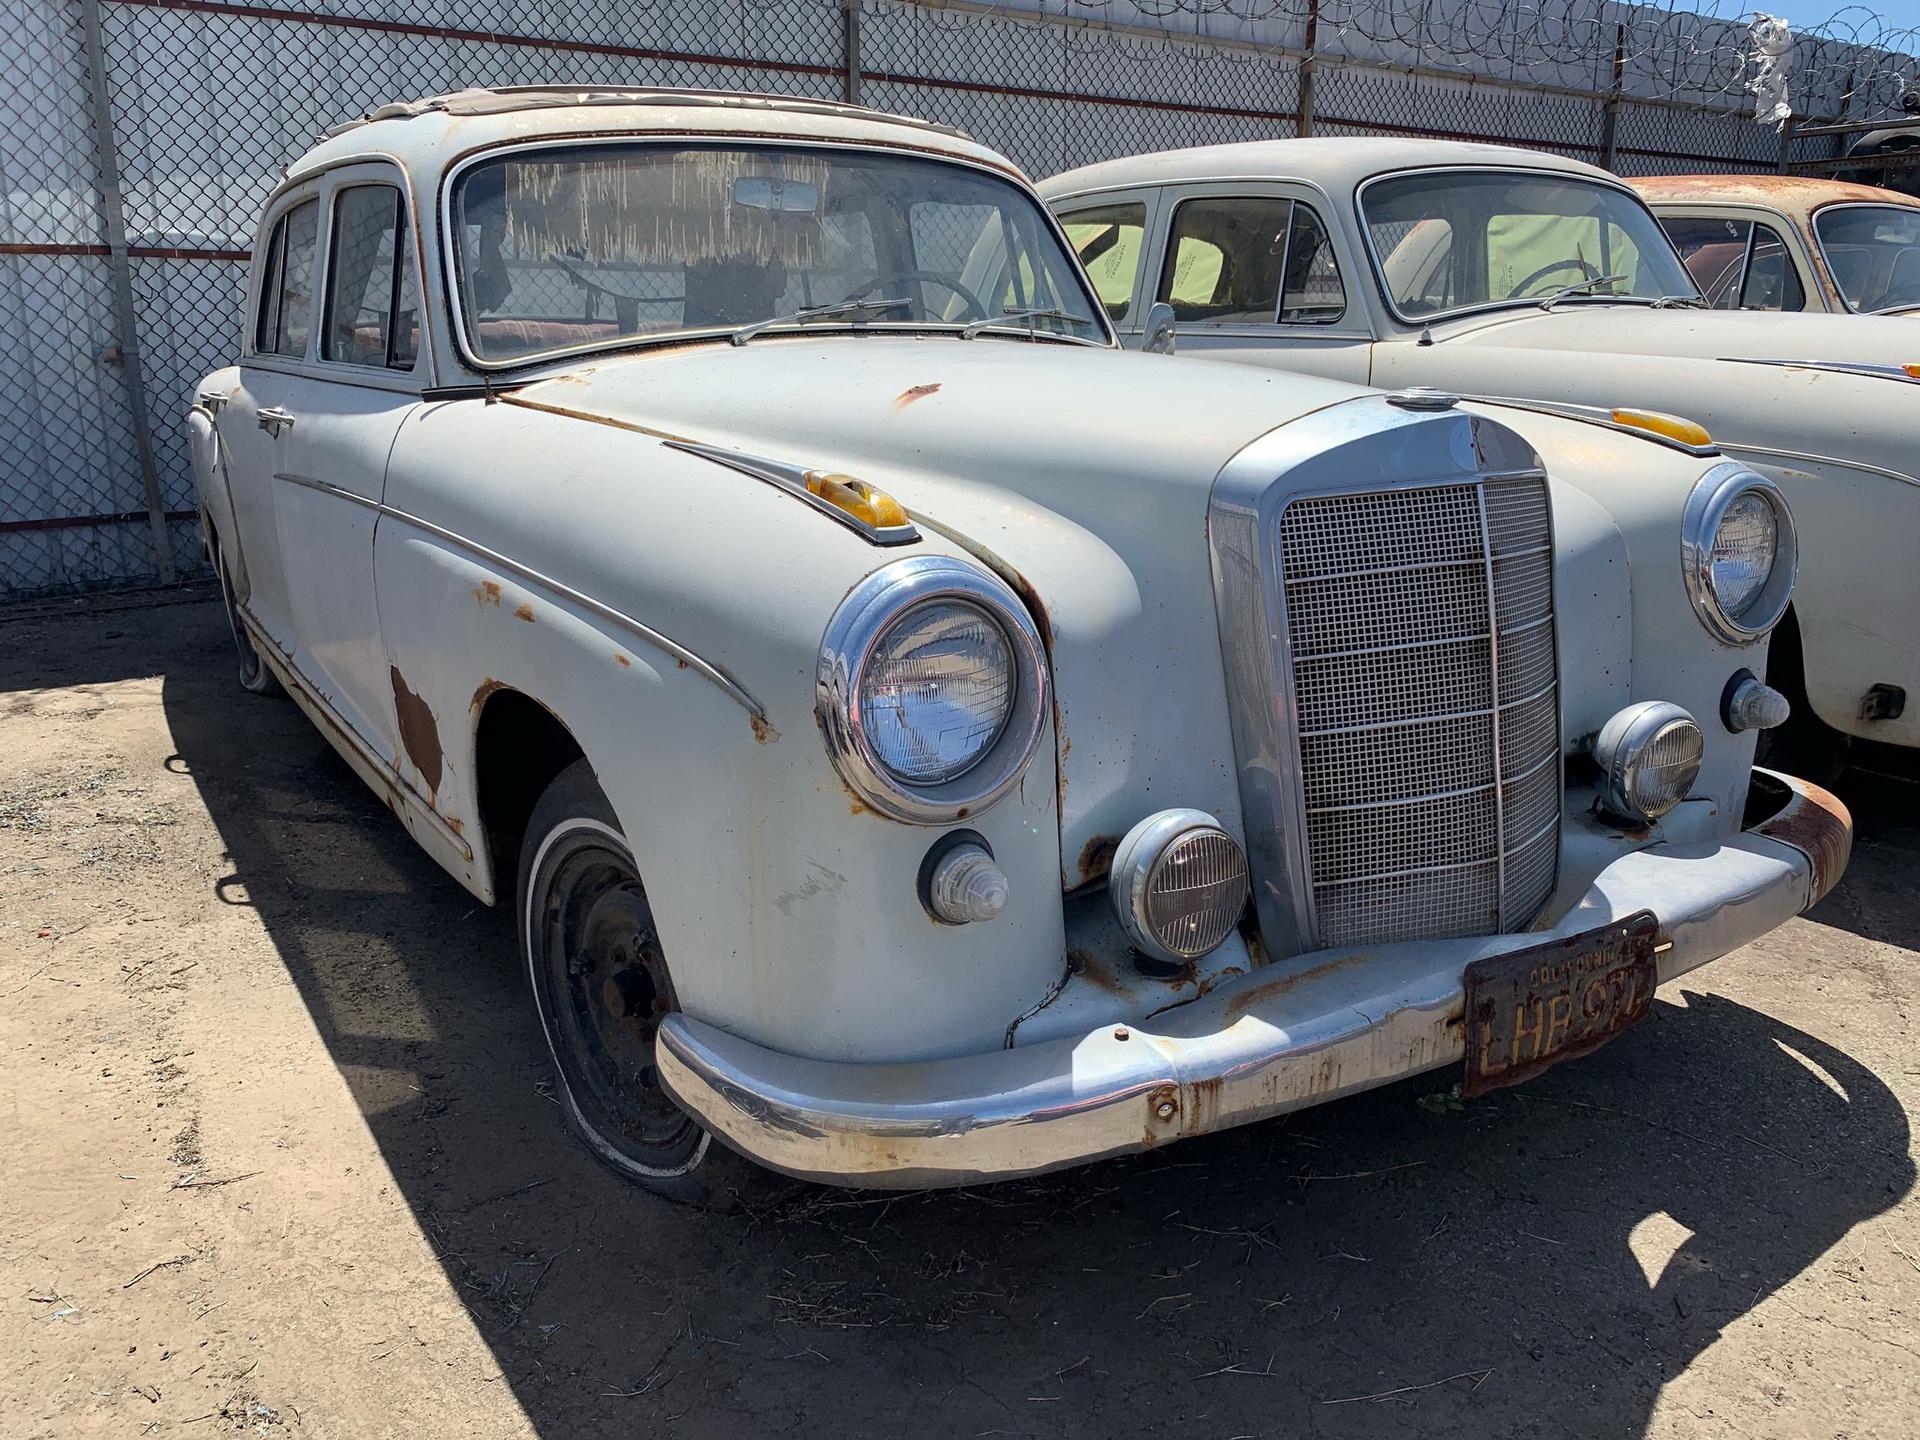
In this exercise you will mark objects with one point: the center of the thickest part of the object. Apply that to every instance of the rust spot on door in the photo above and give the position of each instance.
(523, 611)
(763, 730)
(419, 735)
(487, 592)
(915, 392)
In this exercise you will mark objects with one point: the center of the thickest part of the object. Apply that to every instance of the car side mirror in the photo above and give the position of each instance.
(1158, 339)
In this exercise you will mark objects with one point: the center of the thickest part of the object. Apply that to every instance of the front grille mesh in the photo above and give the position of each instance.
(1421, 629)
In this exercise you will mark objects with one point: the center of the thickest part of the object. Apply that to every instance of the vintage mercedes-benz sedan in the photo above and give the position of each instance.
(1788, 242)
(1490, 271)
(920, 741)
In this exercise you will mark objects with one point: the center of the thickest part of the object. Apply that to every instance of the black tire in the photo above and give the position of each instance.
(255, 677)
(1806, 747)
(601, 986)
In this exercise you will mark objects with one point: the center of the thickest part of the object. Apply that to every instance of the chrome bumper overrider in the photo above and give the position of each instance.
(1290, 1034)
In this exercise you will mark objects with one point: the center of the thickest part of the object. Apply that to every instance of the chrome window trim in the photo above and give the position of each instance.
(1312, 457)
(448, 249)
(702, 666)
(1414, 323)
(869, 609)
(1706, 504)
(1820, 241)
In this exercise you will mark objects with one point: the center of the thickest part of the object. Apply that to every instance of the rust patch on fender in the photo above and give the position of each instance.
(523, 611)
(487, 592)
(1818, 825)
(763, 730)
(1086, 965)
(419, 735)
(456, 824)
(481, 692)
(915, 392)
(622, 660)
(1096, 856)
(1280, 984)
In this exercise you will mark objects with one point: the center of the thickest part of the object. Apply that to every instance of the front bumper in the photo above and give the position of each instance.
(1286, 1036)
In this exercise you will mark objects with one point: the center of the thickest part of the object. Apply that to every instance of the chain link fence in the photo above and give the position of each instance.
(138, 139)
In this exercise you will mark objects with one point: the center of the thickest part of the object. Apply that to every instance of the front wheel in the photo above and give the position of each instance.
(601, 987)
(255, 677)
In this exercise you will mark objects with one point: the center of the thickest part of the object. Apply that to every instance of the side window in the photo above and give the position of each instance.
(1772, 281)
(1224, 257)
(1714, 252)
(372, 310)
(1108, 241)
(1313, 293)
(286, 298)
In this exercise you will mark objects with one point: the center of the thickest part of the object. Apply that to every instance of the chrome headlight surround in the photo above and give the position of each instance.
(872, 608)
(1700, 524)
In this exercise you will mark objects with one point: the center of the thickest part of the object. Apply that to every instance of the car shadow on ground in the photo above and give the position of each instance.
(1539, 1262)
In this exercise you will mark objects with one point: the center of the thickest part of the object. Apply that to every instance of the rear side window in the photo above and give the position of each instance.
(286, 292)
(1314, 293)
(1223, 259)
(373, 313)
(1108, 241)
(1737, 264)
(1772, 281)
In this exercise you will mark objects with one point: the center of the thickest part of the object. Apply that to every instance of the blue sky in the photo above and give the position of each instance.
(1898, 13)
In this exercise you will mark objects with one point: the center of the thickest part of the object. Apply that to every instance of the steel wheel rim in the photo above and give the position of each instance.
(602, 985)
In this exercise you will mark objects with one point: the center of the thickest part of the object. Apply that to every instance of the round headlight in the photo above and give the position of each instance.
(1739, 553)
(1649, 754)
(932, 689)
(936, 691)
(1178, 885)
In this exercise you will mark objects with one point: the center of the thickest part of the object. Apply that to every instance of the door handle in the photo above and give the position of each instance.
(273, 420)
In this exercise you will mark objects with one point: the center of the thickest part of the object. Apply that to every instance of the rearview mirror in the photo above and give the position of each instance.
(777, 193)
(1158, 339)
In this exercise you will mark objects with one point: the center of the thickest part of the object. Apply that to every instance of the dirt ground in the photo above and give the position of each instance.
(279, 1154)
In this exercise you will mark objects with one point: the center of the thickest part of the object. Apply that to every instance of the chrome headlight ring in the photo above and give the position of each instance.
(872, 608)
(1712, 495)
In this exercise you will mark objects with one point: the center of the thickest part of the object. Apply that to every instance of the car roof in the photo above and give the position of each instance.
(1334, 163)
(1796, 195)
(427, 134)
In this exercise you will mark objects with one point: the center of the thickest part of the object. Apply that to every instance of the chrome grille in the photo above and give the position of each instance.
(1420, 629)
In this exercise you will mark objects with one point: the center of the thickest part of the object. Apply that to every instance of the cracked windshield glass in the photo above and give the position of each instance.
(582, 247)
(1452, 240)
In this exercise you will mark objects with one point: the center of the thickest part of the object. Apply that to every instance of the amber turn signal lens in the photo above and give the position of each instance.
(1670, 427)
(1913, 370)
(862, 501)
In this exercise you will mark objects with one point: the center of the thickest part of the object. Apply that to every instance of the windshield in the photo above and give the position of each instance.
(1874, 254)
(1453, 239)
(594, 245)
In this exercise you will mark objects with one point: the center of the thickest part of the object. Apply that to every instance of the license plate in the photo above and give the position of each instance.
(1532, 1008)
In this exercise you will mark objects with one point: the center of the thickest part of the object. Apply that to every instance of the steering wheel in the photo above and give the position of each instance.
(880, 282)
(1587, 272)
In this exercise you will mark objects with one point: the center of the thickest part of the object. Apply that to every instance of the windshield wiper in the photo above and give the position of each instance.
(975, 329)
(846, 310)
(1680, 302)
(1579, 287)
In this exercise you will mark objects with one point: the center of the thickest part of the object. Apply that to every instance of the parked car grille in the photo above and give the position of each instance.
(1425, 687)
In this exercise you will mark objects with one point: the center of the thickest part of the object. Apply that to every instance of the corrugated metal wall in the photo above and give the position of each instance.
(209, 99)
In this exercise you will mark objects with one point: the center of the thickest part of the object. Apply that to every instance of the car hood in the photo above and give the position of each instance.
(1691, 334)
(1080, 475)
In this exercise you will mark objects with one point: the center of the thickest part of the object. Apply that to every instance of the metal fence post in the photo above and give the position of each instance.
(1309, 41)
(850, 48)
(1610, 113)
(122, 274)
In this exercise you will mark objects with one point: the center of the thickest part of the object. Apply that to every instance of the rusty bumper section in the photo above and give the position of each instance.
(1293, 1034)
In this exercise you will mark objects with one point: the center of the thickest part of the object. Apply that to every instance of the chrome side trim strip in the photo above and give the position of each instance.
(705, 668)
(1841, 367)
(792, 480)
(1809, 458)
(1591, 415)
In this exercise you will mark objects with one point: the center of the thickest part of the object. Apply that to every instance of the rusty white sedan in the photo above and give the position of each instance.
(1792, 243)
(921, 742)
(1491, 271)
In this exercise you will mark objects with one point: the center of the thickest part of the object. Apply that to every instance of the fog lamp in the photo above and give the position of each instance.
(1178, 885)
(1649, 754)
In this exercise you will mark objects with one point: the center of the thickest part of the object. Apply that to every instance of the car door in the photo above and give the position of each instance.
(342, 404)
(1111, 234)
(1258, 274)
(279, 330)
